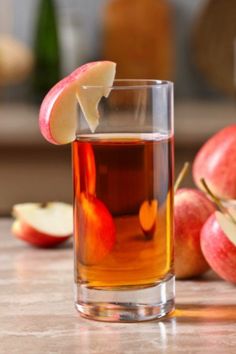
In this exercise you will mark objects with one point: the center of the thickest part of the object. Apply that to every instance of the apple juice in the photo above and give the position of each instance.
(123, 192)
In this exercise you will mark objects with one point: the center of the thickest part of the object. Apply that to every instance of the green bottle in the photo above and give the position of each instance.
(46, 49)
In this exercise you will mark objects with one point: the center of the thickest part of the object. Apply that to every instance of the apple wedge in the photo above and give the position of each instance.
(58, 112)
(43, 226)
(218, 244)
(227, 226)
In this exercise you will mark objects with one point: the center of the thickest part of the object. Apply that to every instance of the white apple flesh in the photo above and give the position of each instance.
(43, 226)
(191, 210)
(216, 163)
(218, 244)
(58, 112)
(230, 206)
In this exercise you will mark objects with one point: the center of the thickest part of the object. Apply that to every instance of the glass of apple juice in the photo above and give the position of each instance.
(123, 204)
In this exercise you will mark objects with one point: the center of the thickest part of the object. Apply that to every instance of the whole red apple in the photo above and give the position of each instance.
(216, 163)
(191, 210)
(218, 244)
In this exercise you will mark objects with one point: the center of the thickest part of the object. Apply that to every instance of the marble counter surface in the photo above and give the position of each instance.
(37, 313)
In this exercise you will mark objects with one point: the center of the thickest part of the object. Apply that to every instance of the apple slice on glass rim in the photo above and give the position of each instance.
(43, 225)
(58, 112)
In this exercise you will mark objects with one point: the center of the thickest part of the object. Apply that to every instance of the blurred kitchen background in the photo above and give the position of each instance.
(192, 43)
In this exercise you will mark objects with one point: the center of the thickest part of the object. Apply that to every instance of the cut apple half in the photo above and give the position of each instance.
(227, 226)
(43, 226)
(58, 112)
(148, 216)
(230, 205)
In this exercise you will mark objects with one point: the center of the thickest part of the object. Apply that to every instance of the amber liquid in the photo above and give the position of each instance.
(123, 205)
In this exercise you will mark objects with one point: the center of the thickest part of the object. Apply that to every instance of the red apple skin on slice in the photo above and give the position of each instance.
(34, 237)
(43, 225)
(218, 250)
(83, 157)
(96, 230)
(64, 88)
(191, 210)
(216, 163)
(58, 111)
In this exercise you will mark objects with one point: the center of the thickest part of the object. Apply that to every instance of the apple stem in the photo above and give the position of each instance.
(217, 200)
(181, 176)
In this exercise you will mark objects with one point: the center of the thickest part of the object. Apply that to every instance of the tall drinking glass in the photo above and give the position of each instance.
(123, 204)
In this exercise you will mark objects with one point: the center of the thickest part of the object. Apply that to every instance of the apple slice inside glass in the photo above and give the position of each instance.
(58, 112)
(96, 228)
(148, 217)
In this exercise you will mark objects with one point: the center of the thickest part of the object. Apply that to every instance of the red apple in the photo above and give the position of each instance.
(216, 163)
(148, 217)
(191, 210)
(95, 230)
(218, 244)
(58, 112)
(43, 226)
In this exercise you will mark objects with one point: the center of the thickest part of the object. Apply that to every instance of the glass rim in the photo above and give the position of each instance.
(133, 84)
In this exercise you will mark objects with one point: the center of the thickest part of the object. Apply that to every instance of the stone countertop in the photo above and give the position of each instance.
(37, 313)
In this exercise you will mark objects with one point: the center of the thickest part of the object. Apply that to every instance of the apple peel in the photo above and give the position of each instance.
(30, 235)
(58, 111)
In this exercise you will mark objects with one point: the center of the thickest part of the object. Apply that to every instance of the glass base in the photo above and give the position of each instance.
(114, 305)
